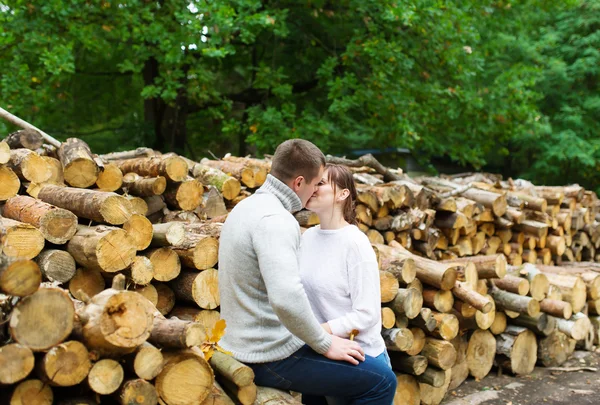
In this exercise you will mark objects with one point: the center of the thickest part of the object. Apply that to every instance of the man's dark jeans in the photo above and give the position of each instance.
(305, 371)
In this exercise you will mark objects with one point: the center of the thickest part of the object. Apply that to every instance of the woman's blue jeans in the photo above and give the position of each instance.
(370, 382)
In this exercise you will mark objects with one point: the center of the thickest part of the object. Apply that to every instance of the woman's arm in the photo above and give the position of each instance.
(365, 293)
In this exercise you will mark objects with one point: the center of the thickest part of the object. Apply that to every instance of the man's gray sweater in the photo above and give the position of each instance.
(262, 299)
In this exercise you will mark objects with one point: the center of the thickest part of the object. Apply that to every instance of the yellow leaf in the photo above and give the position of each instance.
(35, 79)
(208, 354)
(218, 331)
(220, 349)
(253, 128)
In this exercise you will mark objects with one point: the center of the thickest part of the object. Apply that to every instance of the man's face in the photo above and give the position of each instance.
(304, 189)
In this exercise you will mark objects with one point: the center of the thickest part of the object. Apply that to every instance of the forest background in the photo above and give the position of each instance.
(509, 87)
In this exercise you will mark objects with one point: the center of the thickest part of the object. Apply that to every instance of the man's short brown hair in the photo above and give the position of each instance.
(297, 157)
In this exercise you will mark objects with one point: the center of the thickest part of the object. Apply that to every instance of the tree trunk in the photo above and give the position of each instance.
(42, 320)
(419, 340)
(512, 284)
(490, 266)
(388, 318)
(198, 251)
(480, 353)
(79, 167)
(441, 301)
(141, 271)
(99, 206)
(434, 395)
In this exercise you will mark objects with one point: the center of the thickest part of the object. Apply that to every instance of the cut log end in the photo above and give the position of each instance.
(106, 376)
(32, 392)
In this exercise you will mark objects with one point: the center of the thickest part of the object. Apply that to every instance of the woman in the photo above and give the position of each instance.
(339, 268)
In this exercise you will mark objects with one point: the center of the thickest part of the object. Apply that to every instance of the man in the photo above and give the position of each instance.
(270, 324)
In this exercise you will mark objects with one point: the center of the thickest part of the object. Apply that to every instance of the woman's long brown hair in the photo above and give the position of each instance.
(341, 177)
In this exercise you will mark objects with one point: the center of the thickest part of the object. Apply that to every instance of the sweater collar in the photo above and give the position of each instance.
(279, 189)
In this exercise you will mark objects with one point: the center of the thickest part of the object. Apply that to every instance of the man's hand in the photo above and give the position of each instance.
(346, 350)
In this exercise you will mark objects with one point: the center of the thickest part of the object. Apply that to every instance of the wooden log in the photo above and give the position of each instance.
(573, 289)
(24, 138)
(65, 365)
(485, 320)
(514, 302)
(413, 365)
(57, 225)
(100, 206)
(267, 396)
(538, 282)
(110, 178)
(258, 168)
(515, 285)
(4, 152)
(138, 205)
(17, 362)
(388, 285)
(519, 346)
(576, 327)
(19, 277)
(408, 301)
(56, 265)
(138, 391)
(397, 339)
(441, 301)
(186, 195)
(149, 292)
(543, 325)
(200, 288)
(418, 341)
(176, 334)
(79, 166)
(144, 186)
(129, 154)
(434, 395)
(106, 376)
(9, 183)
(499, 324)
(173, 168)
(198, 251)
(19, 240)
(43, 319)
(186, 379)
(86, 283)
(407, 390)
(167, 265)
(439, 353)
(473, 298)
(166, 298)
(141, 271)
(129, 315)
(139, 230)
(590, 278)
(32, 392)
(57, 176)
(29, 166)
(446, 326)
(480, 355)
(388, 318)
(227, 185)
(433, 377)
(146, 361)
(168, 234)
(557, 308)
(102, 248)
(229, 368)
(402, 267)
(553, 350)
(489, 266)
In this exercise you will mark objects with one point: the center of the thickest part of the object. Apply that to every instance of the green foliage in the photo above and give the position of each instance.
(510, 85)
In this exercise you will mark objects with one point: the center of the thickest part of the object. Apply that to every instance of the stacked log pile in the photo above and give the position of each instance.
(109, 265)
(108, 280)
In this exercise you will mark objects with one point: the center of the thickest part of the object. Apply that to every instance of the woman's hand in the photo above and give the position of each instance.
(326, 327)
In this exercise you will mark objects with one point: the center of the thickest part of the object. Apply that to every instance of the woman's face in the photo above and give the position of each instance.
(324, 198)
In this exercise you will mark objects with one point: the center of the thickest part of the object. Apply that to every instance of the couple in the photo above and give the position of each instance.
(291, 302)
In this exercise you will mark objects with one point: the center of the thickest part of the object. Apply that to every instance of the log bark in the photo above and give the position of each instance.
(19, 240)
(166, 298)
(17, 362)
(514, 302)
(489, 266)
(229, 368)
(573, 289)
(397, 339)
(543, 325)
(186, 379)
(200, 288)
(174, 168)
(227, 185)
(56, 265)
(408, 301)
(485, 320)
(186, 195)
(29, 166)
(198, 251)
(440, 275)
(65, 365)
(439, 353)
(434, 395)
(42, 320)
(106, 376)
(433, 377)
(402, 267)
(176, 334)
(168, 234)
(441, 301)
(576, 327)
(102, 248)
(19, 277)
(9, 183)
(512, 284)
(57, 177)
(557, 308)
(471, 297)
(413, 365)
(99, 206)
(245, 395)
(79, 166)
(144, 186)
